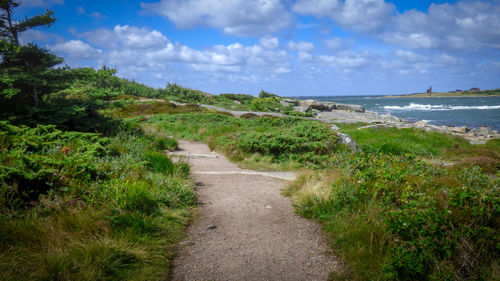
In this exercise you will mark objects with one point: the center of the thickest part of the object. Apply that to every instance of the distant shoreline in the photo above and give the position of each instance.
(444, 95)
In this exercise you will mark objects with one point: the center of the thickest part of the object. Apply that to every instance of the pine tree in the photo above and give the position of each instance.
(11, 28)
(25, 70)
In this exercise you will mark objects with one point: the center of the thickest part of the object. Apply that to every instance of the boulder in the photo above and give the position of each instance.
(291, 101)
(284, 103)
(348, 141)
(461, 130)
(420, 124)
(306, 103)
(350, 107)
(484, 131)
(302, 109)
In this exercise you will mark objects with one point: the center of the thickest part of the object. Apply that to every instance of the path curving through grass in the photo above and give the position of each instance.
(246, 230)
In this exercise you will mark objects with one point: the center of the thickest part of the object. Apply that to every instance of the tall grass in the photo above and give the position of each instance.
(119, 220)
(397, 218)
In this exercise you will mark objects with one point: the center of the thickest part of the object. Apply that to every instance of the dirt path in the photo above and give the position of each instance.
(256, 236)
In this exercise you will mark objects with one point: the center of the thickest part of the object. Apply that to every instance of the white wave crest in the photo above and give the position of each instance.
(438, 107)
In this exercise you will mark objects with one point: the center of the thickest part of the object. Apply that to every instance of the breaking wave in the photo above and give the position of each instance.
(429, 107)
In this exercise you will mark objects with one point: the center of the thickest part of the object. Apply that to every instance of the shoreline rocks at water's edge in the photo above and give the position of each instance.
(331, 112)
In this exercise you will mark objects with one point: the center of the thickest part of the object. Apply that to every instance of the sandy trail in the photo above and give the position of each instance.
(257, 235)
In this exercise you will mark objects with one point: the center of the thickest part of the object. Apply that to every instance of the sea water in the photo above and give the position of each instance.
(472, 112)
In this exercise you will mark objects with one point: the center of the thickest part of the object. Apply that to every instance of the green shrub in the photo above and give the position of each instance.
(396, 218)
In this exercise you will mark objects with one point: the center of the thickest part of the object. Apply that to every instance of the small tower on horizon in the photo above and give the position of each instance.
(429, 91)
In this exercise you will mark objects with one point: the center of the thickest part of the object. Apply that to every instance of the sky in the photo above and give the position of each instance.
(287, 47)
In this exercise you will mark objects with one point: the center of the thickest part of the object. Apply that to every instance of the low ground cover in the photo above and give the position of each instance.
(79, 206)
(398, 218)
(267, 141)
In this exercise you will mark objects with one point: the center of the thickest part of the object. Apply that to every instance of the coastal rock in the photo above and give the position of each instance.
(347, 140)
(291, 101)
(461, 130)
(420, 124)
(329, 106)
(483, 131)
(318, 105)
(284, 103)
(334, 127)
(350, 107)
(302, 109)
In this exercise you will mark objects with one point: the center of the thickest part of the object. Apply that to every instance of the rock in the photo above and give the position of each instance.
(188, 243)
(347, 140)
(334, 127)
(420, 124)
(268, 207)
(291, 101)
(306, 103)
(350, 107)
(236, 101)
(318, 105)
(484, 131)
(461, 130)
(284, 103)
(303, 109)
(431, 128)
(212, 226)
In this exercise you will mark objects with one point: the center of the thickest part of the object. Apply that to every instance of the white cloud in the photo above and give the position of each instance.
(300, 46)
(132, 50)
(305, 57)
(141, 38)
(359, 15)
(238, 17)
(127, 36)
(316, 7)
(408, 56)
(269, 42)
(465, 25)
(76, 49)
(345, 60)
(32, 35)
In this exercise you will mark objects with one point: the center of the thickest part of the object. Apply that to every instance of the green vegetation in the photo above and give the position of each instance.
(88, 193)
(78, 206)
(83, 195)
(266, 141)
(397, 218)
(393, 216)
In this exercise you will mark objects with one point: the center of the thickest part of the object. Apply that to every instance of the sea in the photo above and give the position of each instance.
(473, 112)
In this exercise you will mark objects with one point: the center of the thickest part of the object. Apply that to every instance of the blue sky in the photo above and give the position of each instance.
(289, 47)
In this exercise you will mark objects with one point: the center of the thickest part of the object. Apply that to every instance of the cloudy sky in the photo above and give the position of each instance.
(289, 47)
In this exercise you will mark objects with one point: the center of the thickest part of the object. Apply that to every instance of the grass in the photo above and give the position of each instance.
(426, 145)
(109, 205)
(264, 142)
(121, 219)
(397, 218)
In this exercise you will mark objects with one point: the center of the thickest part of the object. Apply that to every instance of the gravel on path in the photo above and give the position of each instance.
(245, 228)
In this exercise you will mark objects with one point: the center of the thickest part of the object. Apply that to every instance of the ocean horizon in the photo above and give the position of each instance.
(473, 112)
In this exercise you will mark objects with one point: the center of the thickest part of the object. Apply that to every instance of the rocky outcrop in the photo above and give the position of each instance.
(330, 106)
(289, 102)
(349, 142)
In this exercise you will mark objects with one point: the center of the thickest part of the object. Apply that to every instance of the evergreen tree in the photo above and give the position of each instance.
(11, 28)
(25, 70)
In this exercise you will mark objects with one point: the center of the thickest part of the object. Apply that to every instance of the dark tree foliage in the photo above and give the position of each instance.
(11, 28)
(25, 70)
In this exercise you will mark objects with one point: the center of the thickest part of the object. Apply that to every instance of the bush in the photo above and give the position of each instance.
(395, 218)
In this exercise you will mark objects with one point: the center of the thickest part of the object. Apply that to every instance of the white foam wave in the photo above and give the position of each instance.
(438, 107)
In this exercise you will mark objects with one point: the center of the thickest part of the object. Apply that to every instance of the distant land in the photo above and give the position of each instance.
(457, 93)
